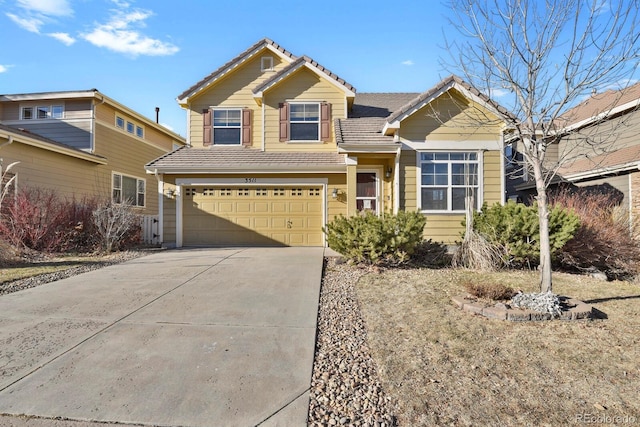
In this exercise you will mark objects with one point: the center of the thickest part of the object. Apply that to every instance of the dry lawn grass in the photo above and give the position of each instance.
(444, 366)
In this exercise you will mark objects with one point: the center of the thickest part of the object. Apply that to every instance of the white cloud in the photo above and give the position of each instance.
(3, 68)
(407, 62)
(47, 7)
(498, 93)
(63, 37)
(29, 23)
(167, 126)
(121, 34)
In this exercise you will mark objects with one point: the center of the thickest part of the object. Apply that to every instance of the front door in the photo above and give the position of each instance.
(367, 192)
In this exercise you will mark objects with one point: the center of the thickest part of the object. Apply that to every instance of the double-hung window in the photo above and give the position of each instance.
(127, 189)
(447, 179)
(227, 127)
(304, 121)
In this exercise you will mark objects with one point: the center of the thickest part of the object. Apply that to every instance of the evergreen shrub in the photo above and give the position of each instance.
(374, 239)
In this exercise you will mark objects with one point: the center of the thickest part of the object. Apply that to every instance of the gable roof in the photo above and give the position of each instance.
(368, 116)
(27, 137)
(600, 106)
(303, 61)
(206, 81)
(453, 81)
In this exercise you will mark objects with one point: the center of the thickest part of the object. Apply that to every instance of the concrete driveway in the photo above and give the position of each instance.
(192, 337)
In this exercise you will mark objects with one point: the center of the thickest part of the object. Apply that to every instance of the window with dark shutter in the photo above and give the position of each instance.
(325, 122)
(207, 132)
(284, 122)
(246, 127)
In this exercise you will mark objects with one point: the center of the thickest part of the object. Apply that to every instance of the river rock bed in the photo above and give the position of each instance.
(345, 389)
(32, 282)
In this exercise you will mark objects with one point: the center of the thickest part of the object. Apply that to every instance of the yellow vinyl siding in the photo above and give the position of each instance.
(303, 85)
(70, 177)
(234, 90)
(492, 178)
(408, 179)
(450, 117)
(444, 228)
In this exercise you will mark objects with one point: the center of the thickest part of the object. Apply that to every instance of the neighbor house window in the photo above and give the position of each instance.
(446, 179)
(139, 131)
(227, 126)
(57, 111)
(27, 113)
(127, 189)
(43, 112)
(120, 122)
(130, 127)
(304, 122)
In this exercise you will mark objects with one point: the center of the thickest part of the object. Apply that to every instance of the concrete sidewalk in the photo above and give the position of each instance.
(193, 337)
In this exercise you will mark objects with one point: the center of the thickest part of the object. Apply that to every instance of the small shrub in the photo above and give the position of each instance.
(114, 224)
(492, 291)
(41, 220)
(375, 239)
(605, 237)
(513, 229)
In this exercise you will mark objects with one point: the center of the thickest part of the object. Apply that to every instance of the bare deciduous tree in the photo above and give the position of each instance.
(547, 55)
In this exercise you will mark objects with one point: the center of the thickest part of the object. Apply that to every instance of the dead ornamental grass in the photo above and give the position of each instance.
(444, 366)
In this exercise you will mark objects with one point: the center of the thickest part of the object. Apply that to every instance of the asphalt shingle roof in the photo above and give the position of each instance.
(601, 103)
(218, 158)
(611, 160)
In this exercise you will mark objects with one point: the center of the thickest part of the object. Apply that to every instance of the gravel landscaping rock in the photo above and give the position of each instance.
(32, 282)
(545, 302)
(345, 389)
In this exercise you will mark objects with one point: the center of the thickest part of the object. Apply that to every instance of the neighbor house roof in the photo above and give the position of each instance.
(206, 81)
(27, 137)
(600, 106)
(303, 61)
(425, 98)
(612, 162)
(242, 159)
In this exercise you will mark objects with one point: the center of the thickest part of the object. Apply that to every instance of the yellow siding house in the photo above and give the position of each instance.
(278, 145)
(83, 144)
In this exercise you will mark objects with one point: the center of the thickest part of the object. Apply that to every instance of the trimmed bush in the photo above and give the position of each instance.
(605, 238)
(116, 224)
(514, 230)
(376, 239)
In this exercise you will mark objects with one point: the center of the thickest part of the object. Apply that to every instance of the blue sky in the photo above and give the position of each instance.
(144, 53)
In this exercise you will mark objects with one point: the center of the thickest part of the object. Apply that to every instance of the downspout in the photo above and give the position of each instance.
(160, 207)
(263, 127)
(396, 182)
(92, 141)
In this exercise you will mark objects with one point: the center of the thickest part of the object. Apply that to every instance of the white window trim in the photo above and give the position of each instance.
(125, 126)
(319, 122)
(138, 180)
(37, 106)
(213, 126)
(266, 63)
(480, 193)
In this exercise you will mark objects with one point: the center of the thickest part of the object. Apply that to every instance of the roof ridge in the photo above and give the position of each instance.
(261, 43)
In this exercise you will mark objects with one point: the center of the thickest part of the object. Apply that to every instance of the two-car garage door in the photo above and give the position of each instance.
(244, 216)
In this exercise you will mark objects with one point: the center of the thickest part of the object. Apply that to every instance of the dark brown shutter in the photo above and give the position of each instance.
(207, 129)
(246, 127)
(325, 121)
(284, 122)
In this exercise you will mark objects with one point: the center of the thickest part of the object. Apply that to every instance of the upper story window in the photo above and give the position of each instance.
(304, 122)
(446, 179)
(128, 189)
(266, 63)
(42, 112)
(227, 127)
(129, 126)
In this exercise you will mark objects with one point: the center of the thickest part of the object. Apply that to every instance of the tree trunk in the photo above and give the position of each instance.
(543, 219)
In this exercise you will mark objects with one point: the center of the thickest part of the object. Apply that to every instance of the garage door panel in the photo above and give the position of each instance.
(253, 216)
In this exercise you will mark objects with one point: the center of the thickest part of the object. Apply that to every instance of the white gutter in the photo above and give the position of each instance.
(602, 171)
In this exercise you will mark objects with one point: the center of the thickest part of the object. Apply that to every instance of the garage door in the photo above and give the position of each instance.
(245, 216)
